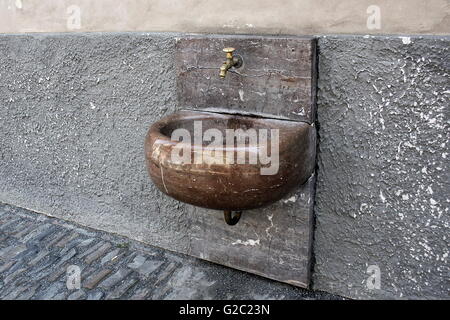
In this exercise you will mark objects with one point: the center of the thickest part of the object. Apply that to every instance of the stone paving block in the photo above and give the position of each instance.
(52, 291)
(32, 251)
(69, 255)
(43, 229)
(94, 279)
(40, 237)
(115, 278)
(28, 293)
(56, 237)
(13, 229)
(60, 296)
(137, 262)
(19, 235)
(5, 267)
(97, 253)
(85, 232)
(3, 237)
(12, 251)
(166, 273)
(42, 270)
(159, 293)
(41, 255)
(9, 223)
(77, 295)
(69, 246)
(95, 295)
(91, 249)
(140, 294)
(85, 242)
(18, 264)
(110, 257)
(149, 267)
(66, 239)
(58, 272)
(13, 275)
(14, 293)
(122, 289)
(3, 221)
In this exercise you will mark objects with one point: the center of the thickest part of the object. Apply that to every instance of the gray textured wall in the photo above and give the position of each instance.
(383, 181)
(74, 113)
(74, 110)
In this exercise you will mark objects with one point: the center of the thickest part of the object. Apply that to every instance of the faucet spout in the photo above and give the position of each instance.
(232, 61)
(224, 68)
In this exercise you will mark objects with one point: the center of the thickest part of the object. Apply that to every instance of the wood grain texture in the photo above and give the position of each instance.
(278, 77)
(274, 242)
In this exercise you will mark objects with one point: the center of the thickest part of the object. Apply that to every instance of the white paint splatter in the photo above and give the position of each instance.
(92, 105)
(19, 4)
(291, 199)
(249, 242)
(382, 197)
(270, 217)
(382, 123)
(399, 149)
(241, 95)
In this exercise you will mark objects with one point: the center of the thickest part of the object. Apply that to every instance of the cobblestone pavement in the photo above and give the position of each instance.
(41, 256)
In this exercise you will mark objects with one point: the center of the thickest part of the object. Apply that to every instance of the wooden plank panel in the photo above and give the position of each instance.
(274, 242)
(278, 80)
(278, 77)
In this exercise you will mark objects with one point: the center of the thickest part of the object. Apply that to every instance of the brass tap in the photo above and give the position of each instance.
(232, 61)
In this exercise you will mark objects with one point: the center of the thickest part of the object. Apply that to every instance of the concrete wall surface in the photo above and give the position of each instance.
(232, 16)
(382, 196)
(75, 108)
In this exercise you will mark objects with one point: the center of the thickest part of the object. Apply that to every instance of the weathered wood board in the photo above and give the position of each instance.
(274, 242)
(277, 77)
(278, 80)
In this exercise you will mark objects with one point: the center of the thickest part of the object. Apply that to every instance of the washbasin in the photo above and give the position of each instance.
(228, 162)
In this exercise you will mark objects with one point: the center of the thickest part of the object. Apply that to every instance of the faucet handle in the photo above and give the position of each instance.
(229, 51)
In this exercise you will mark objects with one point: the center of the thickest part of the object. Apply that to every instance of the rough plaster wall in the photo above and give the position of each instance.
(383, 180)
(74, 110)
(74, 113)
